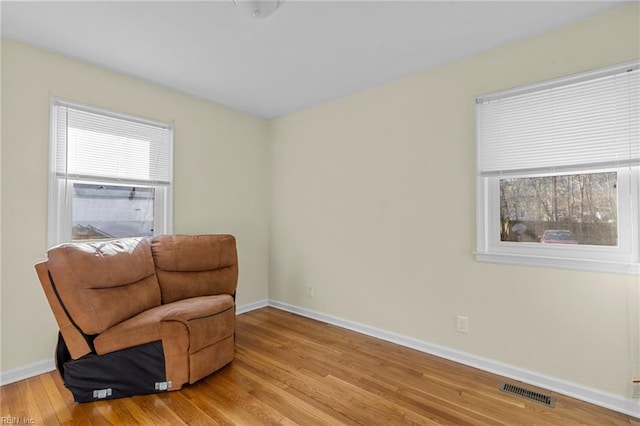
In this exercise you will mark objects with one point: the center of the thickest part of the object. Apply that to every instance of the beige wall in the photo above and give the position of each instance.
(220, 186)
(373, 204)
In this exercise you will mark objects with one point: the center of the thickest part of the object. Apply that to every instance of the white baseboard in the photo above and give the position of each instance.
(247, 307)
(26, 372)
(614, 402)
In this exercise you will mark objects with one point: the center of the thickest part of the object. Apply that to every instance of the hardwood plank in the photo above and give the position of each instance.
(151, 410)
(191, 412)
(278, 396)
(292, 370)
(56, 401)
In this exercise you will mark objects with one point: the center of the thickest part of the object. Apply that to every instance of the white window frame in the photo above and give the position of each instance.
(623, 258)
(61, 187)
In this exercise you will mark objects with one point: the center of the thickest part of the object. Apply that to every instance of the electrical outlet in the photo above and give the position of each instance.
(462, 324)
(636, 389)
(310, 290)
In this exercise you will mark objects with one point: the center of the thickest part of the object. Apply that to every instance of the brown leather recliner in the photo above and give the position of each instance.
(141, 315)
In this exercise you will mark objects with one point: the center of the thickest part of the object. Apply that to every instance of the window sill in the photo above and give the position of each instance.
(561, 263)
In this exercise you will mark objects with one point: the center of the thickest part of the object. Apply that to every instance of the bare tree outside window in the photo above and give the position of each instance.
(569, 209)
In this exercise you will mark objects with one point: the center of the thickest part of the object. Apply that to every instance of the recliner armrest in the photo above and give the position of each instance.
(73, 337)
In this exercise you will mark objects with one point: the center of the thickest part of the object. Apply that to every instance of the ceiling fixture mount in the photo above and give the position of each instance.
(258, 9)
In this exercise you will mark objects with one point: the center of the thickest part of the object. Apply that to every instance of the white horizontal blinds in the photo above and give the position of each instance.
(587, 124)
(101, 147)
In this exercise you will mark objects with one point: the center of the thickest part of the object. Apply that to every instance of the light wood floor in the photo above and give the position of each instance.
(293, 370)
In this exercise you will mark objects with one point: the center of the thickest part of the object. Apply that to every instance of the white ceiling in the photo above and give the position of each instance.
(306, 53)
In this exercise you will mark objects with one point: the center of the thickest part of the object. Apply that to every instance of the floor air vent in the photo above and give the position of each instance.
(547, 400)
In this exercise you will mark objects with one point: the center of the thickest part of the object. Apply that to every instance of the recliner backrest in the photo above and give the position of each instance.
(195, 265)
(102, 284)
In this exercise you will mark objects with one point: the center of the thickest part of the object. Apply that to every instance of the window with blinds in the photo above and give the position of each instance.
(111, 174)
(557, 172)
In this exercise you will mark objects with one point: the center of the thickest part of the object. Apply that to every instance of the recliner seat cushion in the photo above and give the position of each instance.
(206, 320)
